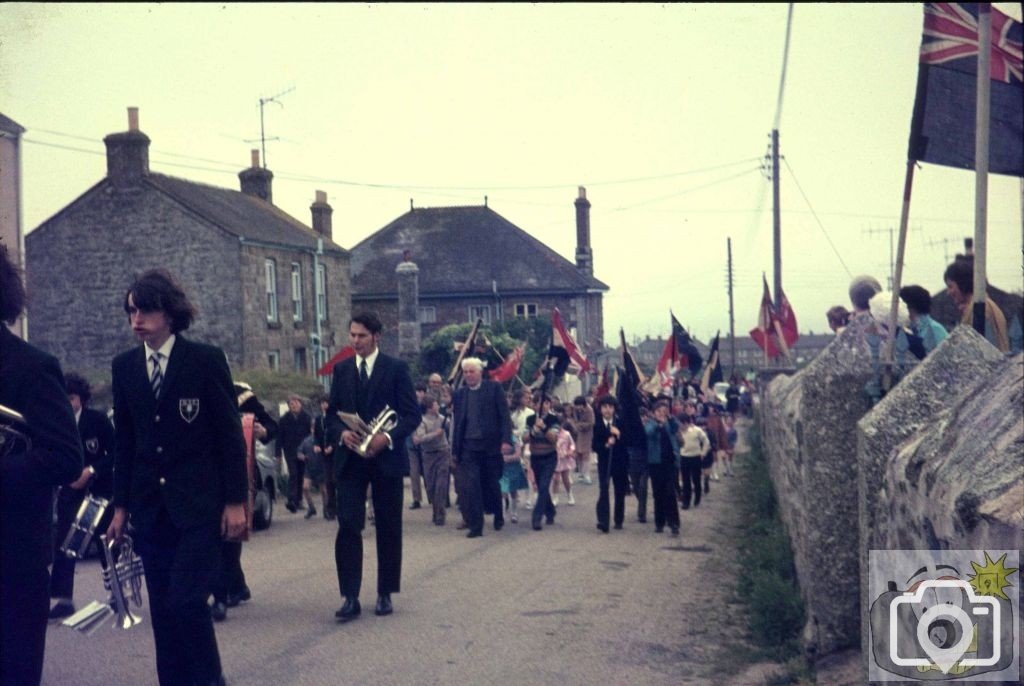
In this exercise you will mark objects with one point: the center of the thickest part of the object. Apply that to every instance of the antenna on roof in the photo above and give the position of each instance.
(410, 205)
(485, 201)
(263, 137)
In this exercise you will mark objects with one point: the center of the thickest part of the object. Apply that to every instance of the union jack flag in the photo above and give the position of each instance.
(951, 34)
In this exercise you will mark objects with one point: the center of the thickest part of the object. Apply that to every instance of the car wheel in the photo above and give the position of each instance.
(263, 511)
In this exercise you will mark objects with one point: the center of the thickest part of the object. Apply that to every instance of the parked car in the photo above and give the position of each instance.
(720, 390)
(266, 486)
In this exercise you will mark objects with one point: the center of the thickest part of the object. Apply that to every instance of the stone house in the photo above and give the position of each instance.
(271, 291)
(470, 263)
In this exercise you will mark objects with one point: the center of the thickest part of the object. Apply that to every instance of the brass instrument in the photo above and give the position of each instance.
(386, 420)
(123, 578)
(82, 530)
(13, 432)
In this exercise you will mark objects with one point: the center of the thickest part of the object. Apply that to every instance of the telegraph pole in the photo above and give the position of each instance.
(891, 232)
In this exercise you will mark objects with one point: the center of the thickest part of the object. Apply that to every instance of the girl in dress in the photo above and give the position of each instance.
(521, 409)
(566, 448)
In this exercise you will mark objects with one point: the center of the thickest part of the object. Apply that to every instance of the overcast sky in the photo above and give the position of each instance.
(662, 111)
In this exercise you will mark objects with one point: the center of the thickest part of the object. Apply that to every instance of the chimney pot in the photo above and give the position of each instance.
(583, 193)
(254, 155)
(321, 197)
(133, 118)
(584, 254)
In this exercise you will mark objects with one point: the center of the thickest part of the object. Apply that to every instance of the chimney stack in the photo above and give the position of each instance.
(127, 154)
(256, 180)
(321, 212)
(408, 281)
(584, 255)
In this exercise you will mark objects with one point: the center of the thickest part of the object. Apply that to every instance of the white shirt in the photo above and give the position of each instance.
(370, 361)
(165, 355)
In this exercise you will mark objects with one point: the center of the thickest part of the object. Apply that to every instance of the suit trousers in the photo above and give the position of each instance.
(690, 469)
(387, 493)
(296, 470)
(615, 471)
(231, 579)
(543, 467)
(62, 576)
(331, 506)
(181, 567)
(24, 606)
(435, 471)
(479, 475)
(415, 474)
(638, 478)
(663, 486)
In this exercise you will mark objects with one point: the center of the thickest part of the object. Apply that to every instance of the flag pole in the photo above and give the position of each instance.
(897, 277)
(981, 146)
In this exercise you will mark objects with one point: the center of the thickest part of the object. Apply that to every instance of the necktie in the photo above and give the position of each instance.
(158, 378)
(363, 376)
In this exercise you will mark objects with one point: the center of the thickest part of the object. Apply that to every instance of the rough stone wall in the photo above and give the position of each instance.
(939, 382)
(809, 422)
(79, 264)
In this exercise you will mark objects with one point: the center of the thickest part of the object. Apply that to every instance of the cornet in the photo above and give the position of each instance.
(13, 432)
(123, 578)
(386, 420)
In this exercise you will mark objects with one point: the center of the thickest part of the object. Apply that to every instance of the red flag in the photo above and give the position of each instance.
(764, 333)
(343, 354)
(787, 320)
(510, 367)
(605, 386)
(564, 348)
(665, 371)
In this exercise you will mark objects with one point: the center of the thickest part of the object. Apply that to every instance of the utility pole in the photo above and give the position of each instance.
(945, 247)
(732, 319)
(892, 266)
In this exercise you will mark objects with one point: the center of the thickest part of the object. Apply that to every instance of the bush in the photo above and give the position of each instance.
(273, 388)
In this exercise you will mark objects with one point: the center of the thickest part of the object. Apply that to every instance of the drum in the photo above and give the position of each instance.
(90, 513)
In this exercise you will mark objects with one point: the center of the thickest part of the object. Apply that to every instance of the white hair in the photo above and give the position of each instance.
(474, 362)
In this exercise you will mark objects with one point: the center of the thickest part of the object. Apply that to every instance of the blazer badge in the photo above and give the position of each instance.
(92, 444)
(189, 408)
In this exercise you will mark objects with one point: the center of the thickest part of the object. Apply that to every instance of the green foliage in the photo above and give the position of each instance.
(437, 353)
(272, 388)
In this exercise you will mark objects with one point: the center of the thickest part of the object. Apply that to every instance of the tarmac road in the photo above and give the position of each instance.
(567, 605)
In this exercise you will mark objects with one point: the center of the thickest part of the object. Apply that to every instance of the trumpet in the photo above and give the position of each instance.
(386, 420)
(14, 434)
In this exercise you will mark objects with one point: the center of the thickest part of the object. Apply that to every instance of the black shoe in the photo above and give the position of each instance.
(234, 599)
(685, 506)
(675, 531)
(499, 524)
(696, 503)
(659, 529)
(642, 520)
(537, 526)
(311, 512)
(549, 521)
(618, 525)
(707, 485)
(475, 533)
(291, 507)
(219, 612)
(438, 522)
(383, 605)
(62, 609)
(348, 611)
(415, 505)
(603, 527)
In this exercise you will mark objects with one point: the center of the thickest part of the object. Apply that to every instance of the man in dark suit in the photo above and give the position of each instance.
(612, 462)
(33, 386)
(293, 428)
(481, 433)
(96, 479)
(364, 384)
(179, 473)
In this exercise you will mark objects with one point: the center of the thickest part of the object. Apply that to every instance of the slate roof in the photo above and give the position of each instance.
(240, 214)
(460, 250)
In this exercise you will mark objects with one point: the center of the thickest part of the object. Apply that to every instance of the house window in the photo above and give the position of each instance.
(296, 292)
(482, 312)
(321, 292)
(300, 359)
(526, 310)
(270, 269)
(428, 314)
(274, 360)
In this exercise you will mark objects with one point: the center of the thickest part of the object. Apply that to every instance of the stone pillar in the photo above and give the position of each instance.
(407, 275)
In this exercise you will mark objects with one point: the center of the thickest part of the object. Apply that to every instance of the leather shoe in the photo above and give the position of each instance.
(499, 524)
(618, 525)
(415, 505)
(603, 527)
(675, 531)
(462, 525)
(659, 529)
(62, 609)
(348, 611)
(474, 533)
(383, 605)
(234, 599)
(291, 507)
(537, 526)
(219, 612)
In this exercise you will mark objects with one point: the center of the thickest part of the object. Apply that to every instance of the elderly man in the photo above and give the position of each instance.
(482, 432)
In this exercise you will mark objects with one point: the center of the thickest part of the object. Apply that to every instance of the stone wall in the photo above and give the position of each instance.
(937, 464)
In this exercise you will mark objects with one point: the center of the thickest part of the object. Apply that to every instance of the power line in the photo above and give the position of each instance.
(815, 215)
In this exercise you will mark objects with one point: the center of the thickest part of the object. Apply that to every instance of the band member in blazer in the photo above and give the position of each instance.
(179, 472)
(364, 384)
(97, 479)
(33, 386)
(612, 462)
(481, 434)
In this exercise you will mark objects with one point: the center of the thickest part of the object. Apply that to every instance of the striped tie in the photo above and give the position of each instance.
(158, 378)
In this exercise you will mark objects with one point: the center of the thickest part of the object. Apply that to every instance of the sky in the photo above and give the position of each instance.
(663, 113)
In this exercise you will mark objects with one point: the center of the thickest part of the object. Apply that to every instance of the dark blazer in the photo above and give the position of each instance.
(292, 430)
(184, 453)
(32, 384)
(618, 452)
(494, 413)
(98, 449)
(389, 384)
